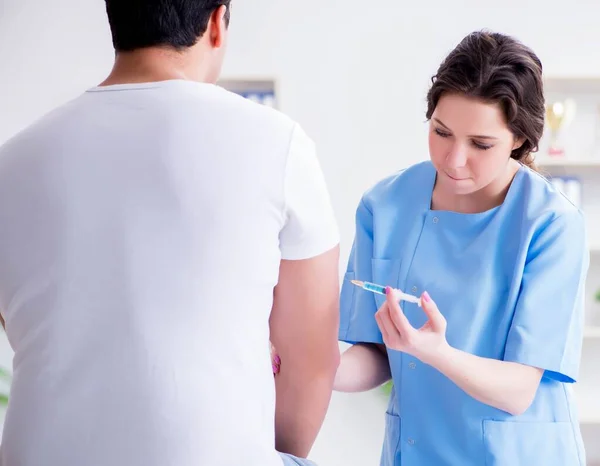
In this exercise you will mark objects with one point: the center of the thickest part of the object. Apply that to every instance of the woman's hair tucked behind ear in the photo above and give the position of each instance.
(497, 69)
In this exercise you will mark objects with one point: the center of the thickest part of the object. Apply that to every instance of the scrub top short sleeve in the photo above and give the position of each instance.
(358, 307)
(546, 331)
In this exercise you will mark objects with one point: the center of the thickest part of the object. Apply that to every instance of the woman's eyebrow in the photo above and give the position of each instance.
(476, 136)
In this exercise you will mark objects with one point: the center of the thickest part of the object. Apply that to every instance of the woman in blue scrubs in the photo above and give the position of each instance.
(481, 372)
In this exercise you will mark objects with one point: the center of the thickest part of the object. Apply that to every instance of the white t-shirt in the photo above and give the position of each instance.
(141, 232)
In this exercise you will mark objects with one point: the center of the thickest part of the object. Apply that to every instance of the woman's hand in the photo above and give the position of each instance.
(425, 343)
(505, 385)
(275, 360)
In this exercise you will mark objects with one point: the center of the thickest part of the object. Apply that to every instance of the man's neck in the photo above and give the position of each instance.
(153, 65)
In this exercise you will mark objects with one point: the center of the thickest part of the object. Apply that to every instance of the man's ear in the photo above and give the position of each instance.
(217, 26)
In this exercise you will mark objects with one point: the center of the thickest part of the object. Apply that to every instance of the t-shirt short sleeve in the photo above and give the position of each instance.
(310, 225)
(357, 306)
(547, 326)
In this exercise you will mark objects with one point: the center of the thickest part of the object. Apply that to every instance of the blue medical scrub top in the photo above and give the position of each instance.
(510, 282)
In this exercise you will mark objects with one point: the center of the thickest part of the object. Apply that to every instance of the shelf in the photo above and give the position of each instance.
(571, 84)
(575, 163)
(591, 332)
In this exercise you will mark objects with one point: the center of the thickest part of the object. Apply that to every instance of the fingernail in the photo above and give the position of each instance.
(388, 290)
(426, 297)
(275, 369)
(277, 360)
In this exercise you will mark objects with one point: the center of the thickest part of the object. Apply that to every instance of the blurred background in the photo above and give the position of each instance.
(355, 75)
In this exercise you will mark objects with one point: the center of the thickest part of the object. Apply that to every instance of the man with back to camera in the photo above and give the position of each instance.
(154, 233)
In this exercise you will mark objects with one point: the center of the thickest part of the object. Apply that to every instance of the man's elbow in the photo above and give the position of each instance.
(327, 370)
(326, 362)
(329, 351)
(334, 360)
(314, 363)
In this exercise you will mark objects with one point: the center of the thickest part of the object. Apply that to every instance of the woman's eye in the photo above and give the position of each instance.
(476, 144)
(481, 146)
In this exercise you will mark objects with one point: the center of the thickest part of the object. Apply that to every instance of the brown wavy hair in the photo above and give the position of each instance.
(497, 68)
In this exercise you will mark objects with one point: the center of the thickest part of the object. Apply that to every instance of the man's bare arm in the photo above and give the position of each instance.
(304, 328)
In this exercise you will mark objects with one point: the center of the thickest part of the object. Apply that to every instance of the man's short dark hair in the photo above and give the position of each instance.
(137, 24)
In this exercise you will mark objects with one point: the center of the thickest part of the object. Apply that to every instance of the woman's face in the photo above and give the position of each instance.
(469, 143)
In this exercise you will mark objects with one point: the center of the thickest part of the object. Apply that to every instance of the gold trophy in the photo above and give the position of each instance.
(558, 115)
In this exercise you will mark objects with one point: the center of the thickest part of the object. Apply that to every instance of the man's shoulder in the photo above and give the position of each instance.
(29, 135)
(240, 107)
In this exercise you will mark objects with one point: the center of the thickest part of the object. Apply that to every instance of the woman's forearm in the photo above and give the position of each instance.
(508, 386)
(362, 367)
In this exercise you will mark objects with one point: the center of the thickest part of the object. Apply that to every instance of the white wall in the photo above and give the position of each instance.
(354, 73)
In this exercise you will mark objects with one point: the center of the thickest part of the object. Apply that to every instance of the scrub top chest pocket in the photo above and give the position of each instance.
(386, 272)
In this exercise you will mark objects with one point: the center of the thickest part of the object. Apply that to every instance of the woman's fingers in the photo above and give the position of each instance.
(438, 321)
(386, 326)
(397, 315)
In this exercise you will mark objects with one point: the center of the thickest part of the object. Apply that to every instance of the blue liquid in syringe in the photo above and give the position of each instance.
(375, 288)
